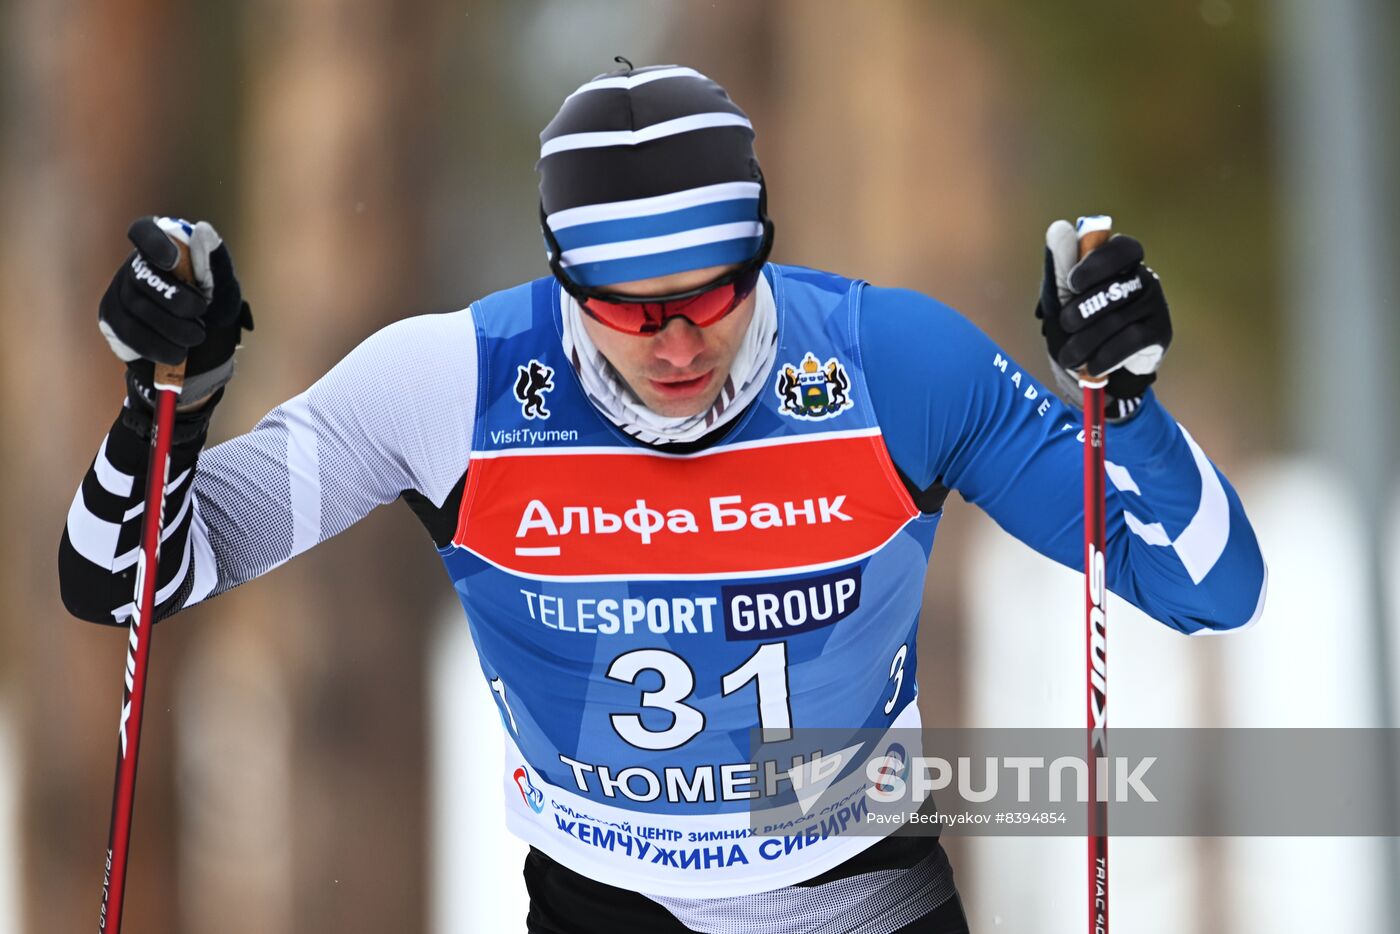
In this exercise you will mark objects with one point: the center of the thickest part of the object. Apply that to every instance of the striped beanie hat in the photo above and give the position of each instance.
(646, 172)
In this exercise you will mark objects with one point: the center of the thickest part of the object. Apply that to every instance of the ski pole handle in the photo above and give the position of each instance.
(1094, 232)
(169, 381)
(171, 376)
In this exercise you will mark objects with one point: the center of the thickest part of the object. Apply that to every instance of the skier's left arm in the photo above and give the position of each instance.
(956, 411)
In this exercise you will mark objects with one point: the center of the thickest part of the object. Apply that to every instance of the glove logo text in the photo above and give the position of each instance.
(1114, 293)
(145, 274)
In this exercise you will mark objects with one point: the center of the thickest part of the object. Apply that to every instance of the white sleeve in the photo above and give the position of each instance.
(396, 414)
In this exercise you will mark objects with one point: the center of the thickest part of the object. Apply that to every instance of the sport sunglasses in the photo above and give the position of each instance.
(701, 306)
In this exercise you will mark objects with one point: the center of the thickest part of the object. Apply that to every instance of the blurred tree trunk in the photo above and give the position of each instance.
(82, 157)
(316, 671)
(336, 123)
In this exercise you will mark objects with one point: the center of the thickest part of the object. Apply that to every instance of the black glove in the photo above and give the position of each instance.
(1107, 314)
(149, 316)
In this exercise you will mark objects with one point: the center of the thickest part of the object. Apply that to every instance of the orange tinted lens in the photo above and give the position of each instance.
(704, 309)
(700, 310)
(629, 317)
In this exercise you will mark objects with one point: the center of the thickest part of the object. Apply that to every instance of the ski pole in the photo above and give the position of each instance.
(169, 381)
(1094, 232)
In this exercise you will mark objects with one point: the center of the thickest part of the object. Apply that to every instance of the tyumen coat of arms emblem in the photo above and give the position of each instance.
(812, 391)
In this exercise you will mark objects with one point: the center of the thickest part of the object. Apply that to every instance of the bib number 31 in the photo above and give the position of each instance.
(766, 667)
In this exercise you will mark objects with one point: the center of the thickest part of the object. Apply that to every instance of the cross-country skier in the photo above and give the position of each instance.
(682, 492)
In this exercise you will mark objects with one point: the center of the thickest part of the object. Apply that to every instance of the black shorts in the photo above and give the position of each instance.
(564, 902)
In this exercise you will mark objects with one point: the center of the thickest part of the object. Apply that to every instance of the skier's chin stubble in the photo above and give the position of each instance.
(677, 397)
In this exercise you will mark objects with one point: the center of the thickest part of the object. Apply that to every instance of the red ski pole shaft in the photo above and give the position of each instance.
(169, 381)
(1093, 232)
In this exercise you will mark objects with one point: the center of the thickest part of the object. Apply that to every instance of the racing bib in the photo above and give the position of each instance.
(638, 614)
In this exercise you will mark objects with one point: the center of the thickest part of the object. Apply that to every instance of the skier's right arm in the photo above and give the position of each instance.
(310, 468)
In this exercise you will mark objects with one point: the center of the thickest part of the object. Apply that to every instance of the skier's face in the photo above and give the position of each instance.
(679, 370)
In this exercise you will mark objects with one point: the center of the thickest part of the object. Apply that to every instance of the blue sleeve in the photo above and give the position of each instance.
(957, 410)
